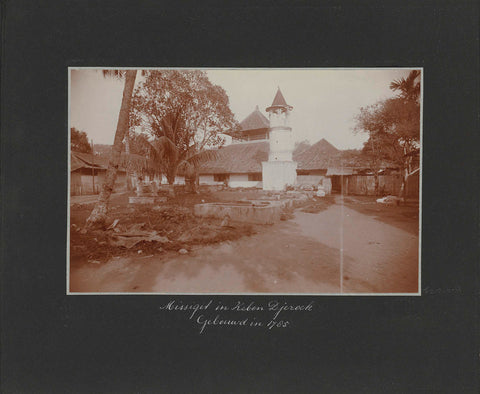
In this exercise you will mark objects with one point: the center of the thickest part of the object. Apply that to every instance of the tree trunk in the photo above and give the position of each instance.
(170, 179)
(376, 183)
(171, 173)
(197, 182)
(99, 214)
(129, 170)
(403, 189)
(191, 181)
(405, 186)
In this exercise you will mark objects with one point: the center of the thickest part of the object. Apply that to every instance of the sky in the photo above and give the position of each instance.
(325, 101)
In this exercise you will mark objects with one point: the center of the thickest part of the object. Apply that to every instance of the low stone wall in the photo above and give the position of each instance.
(288, 200)
(245, 184)
(146, 199)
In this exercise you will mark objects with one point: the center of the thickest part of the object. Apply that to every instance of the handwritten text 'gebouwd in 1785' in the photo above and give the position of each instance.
(238, 313)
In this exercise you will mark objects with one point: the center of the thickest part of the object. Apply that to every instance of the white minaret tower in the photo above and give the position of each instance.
(280, 170)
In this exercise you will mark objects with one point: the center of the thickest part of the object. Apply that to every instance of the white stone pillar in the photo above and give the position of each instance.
(280, 170)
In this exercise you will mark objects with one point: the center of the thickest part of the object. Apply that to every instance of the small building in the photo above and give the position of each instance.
(237, 165)
(345, 171)
(316, 161)
(87, 174)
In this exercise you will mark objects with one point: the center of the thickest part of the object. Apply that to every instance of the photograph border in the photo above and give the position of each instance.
(418, 293)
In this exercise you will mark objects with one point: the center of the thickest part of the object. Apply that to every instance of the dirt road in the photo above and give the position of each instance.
(302, 255)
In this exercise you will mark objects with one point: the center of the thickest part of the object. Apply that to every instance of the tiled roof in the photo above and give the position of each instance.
(256, 120)
(87, 160)
(318, 156)
(324, 155)
(76, 163)
(248, 157)
(238, 158)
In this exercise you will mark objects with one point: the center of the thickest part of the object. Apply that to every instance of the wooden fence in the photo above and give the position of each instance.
(387, 185)
(365, 184)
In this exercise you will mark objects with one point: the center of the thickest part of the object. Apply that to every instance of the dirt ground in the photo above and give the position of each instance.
(173, 220)
(334, 245)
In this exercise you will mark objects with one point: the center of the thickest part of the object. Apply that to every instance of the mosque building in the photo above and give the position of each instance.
(263, 155)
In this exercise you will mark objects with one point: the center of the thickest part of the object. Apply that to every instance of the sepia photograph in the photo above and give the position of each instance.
(256, 197)
(244, 181)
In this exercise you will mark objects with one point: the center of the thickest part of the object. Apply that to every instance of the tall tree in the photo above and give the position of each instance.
(184, 113)
(381, 148)
(99, 214)
(381, 144)
(409, 89)
(79, 141)
(393, 126)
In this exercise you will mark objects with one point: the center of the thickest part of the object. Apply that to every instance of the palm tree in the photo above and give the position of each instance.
(184, 113)
(165, 157)
(409, 88)
(99, 214)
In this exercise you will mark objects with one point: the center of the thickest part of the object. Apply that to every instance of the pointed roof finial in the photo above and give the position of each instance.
(256, 108)
(279, 101)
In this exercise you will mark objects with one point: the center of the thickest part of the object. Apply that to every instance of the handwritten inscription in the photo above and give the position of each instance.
(270, 315)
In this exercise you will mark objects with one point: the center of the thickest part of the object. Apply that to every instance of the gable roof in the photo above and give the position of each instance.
(323, 155)
(279, 100)
(318, 156)
(256, 120)
(100, 162)
(87, 160)
(76, 163)
(238, 158)
(248, 158)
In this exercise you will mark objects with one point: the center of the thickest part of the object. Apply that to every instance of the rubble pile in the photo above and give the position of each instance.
(151, 230)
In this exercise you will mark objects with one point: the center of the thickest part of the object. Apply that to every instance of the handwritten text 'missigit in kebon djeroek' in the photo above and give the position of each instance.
(271, 314)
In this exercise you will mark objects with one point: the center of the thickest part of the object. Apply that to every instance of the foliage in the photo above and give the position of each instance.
(161, 155)
(79, 141)
(137, 144)
(393, 125)
(380, 148)
(409, 87)
(393, 128)
(184, 114)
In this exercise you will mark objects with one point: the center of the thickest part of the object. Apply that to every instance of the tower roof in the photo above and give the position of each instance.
(279, 100)
(256, 120)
